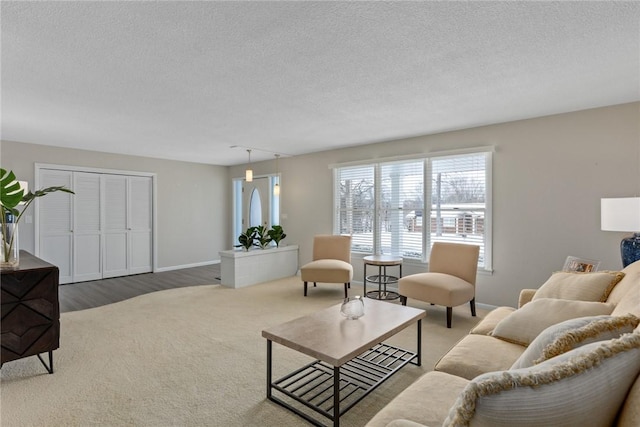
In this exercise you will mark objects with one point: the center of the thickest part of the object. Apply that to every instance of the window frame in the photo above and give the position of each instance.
(485, 263)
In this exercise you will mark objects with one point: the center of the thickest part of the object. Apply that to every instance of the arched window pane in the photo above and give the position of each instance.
(255, 209)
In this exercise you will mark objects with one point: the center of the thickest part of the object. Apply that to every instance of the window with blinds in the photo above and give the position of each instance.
(355, 191)
(387, 208)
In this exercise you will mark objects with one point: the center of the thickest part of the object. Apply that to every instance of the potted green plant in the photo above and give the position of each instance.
(11, 196)
(262, 237)
(277, 234)
(246, 239)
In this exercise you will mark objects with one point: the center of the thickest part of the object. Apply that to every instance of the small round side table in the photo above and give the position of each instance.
(382, 278)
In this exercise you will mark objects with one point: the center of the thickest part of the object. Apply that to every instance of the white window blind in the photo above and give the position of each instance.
(401, 204)
(459, 200)
(387, 208)
(355, 203)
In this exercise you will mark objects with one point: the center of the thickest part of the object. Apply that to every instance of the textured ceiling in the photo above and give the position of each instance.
(189, 80)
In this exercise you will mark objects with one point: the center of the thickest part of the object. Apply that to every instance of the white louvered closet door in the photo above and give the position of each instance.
(55, 222)
(128, 225)
(87, 230)
(140, 222)
(116, 251)
(103, 230)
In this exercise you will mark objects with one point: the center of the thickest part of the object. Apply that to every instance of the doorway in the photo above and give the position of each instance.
(254, 204)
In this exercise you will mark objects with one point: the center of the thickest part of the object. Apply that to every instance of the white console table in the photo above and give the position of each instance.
(240, 268)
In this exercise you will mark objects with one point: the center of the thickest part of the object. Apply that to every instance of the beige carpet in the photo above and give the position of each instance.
(191, 357)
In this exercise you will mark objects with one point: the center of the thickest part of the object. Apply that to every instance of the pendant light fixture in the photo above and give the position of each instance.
(248, 174)
(276, 187)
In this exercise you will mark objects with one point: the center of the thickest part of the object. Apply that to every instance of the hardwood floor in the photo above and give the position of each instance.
(79, 296)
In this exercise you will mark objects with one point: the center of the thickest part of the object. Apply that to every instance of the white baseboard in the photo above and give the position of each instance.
(486, 306)
(180, 267)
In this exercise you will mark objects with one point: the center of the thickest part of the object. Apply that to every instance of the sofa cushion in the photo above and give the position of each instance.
(526, 323)
(426, 401)
(573, 333)
(629, 415)
(587, 386)
(579, 286)
(476, 354)
(490, 321)
(630, 282)
(526, 295)
(626, 294)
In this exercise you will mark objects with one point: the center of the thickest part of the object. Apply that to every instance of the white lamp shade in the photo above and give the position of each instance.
(620, 214)
(248, 175)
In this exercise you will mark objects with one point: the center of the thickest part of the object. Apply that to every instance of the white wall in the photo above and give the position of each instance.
(549, 174)
(192, 217)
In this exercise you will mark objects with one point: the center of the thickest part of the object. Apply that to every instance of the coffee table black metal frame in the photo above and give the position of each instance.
(332, 390)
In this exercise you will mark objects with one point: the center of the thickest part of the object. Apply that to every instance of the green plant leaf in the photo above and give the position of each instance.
(276, 234)
(10, 192)
(43, 192)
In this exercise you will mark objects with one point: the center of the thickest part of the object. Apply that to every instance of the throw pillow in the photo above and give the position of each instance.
(587, 386)
(579, 286)
(526, 323)
(573, 333)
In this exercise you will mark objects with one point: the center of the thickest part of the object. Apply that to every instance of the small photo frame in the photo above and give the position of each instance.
(582, 265)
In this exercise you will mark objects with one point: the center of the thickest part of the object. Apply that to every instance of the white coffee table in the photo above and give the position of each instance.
(352, 359)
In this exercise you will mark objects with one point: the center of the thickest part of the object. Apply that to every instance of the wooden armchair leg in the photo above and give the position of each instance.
(472, 303)
(403, 300)
(346, 285)
(449, 315)
(305, 289)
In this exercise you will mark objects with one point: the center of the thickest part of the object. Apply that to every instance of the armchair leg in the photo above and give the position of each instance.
(403, 300)
(315, 284)
(346, 285)
(305, 289)
(449, 315)
(472, 303)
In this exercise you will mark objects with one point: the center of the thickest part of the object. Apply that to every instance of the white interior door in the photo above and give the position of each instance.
(140, 220)
(256, 203)
(128, 225)
(103, 230)
(87, 230)
(55, 223)
(116, 246)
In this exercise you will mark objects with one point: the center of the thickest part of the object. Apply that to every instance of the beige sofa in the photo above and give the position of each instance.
(474, 383)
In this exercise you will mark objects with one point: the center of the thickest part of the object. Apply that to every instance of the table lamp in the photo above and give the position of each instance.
(623, 214)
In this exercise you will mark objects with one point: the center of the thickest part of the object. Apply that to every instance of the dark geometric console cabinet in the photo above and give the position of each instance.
(30, 310)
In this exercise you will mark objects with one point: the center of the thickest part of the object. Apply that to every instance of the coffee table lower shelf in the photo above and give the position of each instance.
(314, 385)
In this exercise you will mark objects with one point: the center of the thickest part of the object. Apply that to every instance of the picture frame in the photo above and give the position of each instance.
(581, 265)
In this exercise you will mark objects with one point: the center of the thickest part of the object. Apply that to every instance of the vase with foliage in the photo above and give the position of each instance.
(246, 239)
(277, 234)
(13, 195)
(262, 237)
